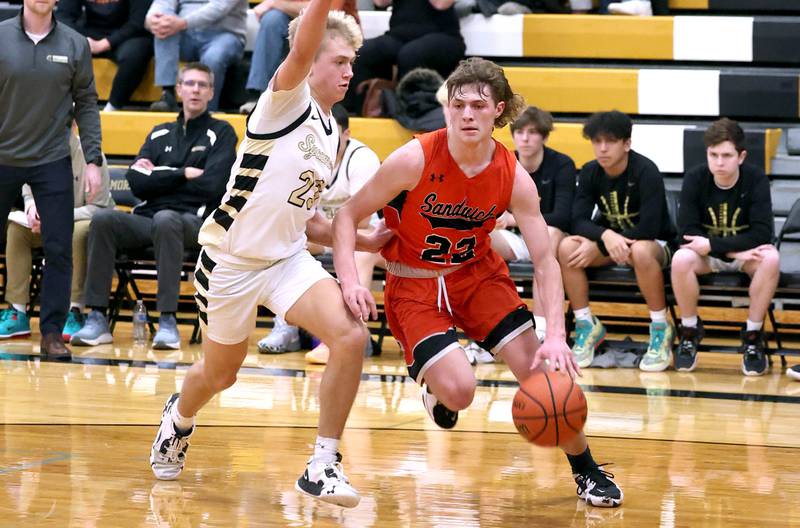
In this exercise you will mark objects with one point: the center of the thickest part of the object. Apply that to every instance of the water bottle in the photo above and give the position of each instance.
(140, 324)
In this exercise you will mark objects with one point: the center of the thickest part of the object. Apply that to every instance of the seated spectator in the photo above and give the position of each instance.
(355, 164)
(633, 229)
(422, 33)
(554, 174)
(23, 239)
(271, 44)
(115, 30)
(211, 31)
(180, 174)
(725, 219)
(635, 7)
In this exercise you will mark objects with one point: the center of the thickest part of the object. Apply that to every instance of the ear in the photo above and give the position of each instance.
(498, 111)
(742, 156)
(627, 145)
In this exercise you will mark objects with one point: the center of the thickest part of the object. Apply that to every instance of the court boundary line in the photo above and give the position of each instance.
(402, 378)
(395, 429)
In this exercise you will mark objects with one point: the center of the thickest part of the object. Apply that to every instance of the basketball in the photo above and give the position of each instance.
(549, 409)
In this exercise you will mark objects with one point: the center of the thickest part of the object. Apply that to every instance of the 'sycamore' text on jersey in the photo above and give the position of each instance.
(447, 218)
(282, 166)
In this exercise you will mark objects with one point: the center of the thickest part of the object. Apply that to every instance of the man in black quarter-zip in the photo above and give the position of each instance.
(45, 68)
(180, 174)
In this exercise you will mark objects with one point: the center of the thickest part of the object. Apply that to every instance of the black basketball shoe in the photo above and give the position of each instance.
(441, 415)
(754, 356)
(686, 353)
(597, 487)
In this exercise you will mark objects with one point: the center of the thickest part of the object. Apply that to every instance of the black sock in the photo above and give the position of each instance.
(169, 90)
(581, 463)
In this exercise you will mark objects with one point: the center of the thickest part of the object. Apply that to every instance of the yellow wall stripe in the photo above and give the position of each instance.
(597, 36)
(577, 89)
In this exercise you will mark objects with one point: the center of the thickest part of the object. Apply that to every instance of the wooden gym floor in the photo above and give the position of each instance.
(706, 449)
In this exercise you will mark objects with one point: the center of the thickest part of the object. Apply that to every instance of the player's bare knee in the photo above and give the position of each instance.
(354, 338)
(219, 379)
(683, 261)
(771, 260)
(458, 394)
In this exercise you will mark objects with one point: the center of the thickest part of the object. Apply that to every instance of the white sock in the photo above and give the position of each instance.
(109, 108)
(584, 314)
(689, 322)
(182, 424)
(325, 449)
(659, 316)
(753, 325)
(18, 307)
(79, 306)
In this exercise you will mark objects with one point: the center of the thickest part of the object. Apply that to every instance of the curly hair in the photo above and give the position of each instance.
(487, 75)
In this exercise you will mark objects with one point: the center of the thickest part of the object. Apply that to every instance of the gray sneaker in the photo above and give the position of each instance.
(167, 337)
(94, 332)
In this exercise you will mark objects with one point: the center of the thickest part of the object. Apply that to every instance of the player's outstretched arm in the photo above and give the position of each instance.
(306, 42)
(400, 172)
(525, 206)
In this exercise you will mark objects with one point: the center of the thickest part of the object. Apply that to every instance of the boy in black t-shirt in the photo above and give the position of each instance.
(633, 229)
(554, 175)
(726, 221)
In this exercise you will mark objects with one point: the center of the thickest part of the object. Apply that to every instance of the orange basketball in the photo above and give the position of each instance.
(549, 409)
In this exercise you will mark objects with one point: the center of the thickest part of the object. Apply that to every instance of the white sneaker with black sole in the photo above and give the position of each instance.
(794, 372)
(168, 454)
(328, 483)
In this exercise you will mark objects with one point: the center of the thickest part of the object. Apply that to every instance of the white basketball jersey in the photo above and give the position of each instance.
(282, 166)
(359, 163)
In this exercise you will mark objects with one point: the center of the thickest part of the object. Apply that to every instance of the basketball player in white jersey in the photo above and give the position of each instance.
(254, 250)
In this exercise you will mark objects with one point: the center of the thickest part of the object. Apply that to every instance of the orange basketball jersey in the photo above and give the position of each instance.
(446, 219)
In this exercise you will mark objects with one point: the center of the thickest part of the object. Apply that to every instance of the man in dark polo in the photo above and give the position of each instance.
(45, 68)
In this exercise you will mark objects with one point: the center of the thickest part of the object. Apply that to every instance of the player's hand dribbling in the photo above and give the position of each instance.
(360, 301)
(555, 354)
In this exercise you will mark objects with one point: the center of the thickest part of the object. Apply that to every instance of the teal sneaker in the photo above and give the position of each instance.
(659, 352)
(73, 325)
(14, 323)
(588, 336)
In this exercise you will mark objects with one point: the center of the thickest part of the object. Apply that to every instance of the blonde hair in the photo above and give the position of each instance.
(486, 74)
(339, 24)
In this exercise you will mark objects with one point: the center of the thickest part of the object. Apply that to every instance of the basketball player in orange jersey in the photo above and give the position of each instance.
(443, 192)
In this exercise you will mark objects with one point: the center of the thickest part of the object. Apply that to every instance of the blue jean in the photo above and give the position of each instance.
(215, 48)
(51, 184)
(268, 52)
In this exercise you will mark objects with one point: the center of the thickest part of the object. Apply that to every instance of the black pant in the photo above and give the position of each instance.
(132, 58)
(376, 58)
(169, 232)
(51, 184)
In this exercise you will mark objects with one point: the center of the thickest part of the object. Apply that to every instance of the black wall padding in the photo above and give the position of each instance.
(758, 95)
(694, 151)
(776, 39)
(754, 5)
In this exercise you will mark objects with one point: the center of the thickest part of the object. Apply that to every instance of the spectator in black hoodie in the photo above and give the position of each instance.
(180, 174)
(633, 229)
(726, 221)
(115, 30)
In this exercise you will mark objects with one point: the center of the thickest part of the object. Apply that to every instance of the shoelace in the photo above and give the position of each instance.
(658, 337)
(598, 475)
(751, 351)
(686, 347)
(338, 470)
(6, 314)
(176, 447)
